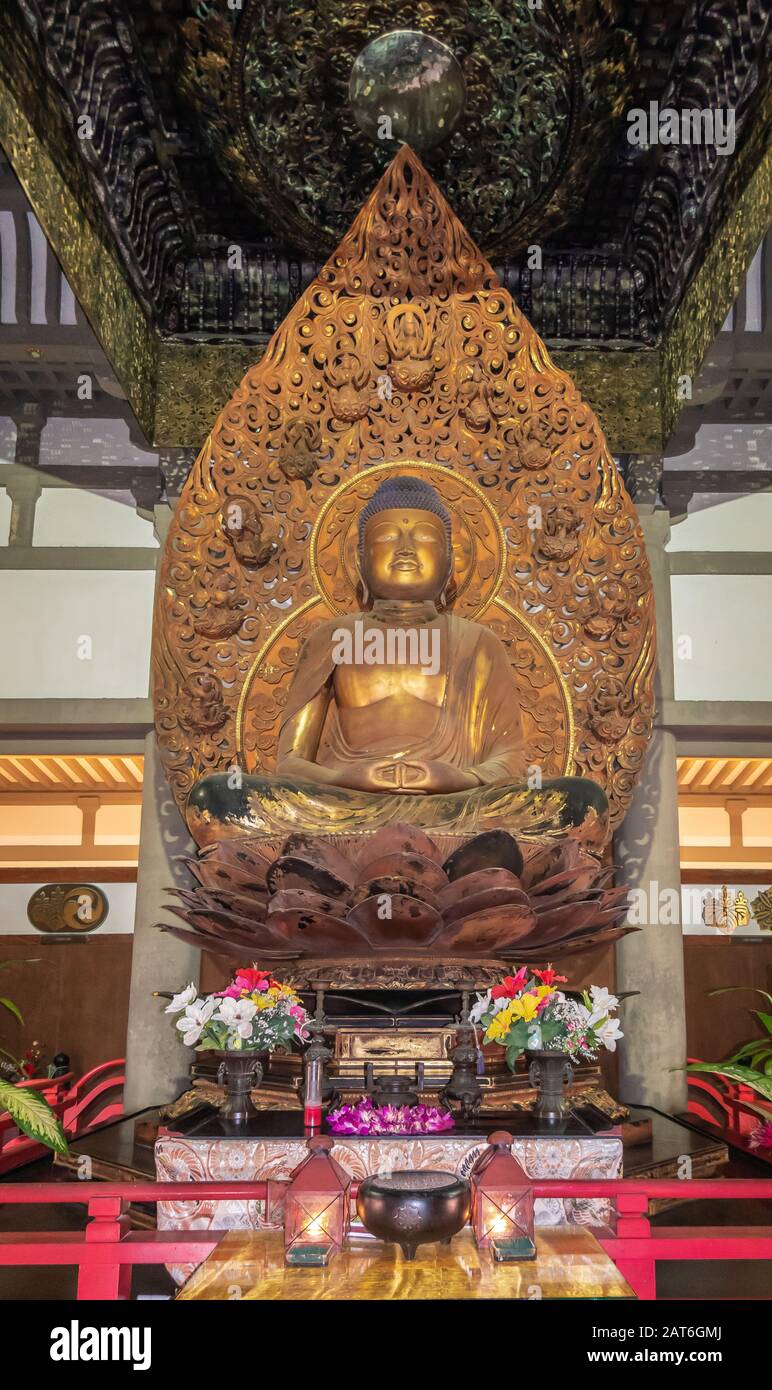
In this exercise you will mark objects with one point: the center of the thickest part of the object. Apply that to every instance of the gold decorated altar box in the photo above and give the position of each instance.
(362, 1053)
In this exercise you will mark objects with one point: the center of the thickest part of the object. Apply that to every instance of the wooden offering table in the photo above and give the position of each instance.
(273, 1144)
(570, 1263)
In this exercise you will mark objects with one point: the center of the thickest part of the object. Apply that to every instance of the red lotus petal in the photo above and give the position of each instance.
(232, 950)
(411, 925)
(293, 871)
(511, 898)
(388, 885)
(317, 934)
(486, 933)
(303, 900)
(474, 883)
(415, 868)
(397, 838)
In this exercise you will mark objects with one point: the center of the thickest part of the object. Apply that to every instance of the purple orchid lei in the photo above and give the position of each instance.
(366, 1118)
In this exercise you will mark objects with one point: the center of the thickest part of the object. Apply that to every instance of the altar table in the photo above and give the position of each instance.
(570, 1263)
(279, 1148)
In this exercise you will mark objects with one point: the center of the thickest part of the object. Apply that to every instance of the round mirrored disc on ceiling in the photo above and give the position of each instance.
(313, 101)
(406, 87)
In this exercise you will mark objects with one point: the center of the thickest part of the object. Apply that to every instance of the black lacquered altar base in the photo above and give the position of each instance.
(288, 1124)
(116, 1153)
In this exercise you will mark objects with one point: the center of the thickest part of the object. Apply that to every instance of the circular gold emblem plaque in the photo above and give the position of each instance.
(67, 907)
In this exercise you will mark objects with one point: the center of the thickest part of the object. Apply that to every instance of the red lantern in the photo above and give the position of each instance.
(316, 1207)
(502, 1202)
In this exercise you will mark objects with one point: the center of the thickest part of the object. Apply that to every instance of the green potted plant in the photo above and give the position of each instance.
(750, 1064)
(28, 1109)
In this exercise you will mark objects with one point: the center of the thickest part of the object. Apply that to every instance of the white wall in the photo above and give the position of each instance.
(742, 524)
(44, 614)
(721, 636)
(5, 516)
(72, 516)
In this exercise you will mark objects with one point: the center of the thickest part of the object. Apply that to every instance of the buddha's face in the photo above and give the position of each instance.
(406, 555)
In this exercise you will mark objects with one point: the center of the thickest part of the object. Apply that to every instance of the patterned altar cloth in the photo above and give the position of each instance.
(181, 1159)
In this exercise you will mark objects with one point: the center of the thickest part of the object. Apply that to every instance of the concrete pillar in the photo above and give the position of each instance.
(651, 961)
(157, 1065)
(23, 488)
(23, 484)
(647, 850)
(29, 428)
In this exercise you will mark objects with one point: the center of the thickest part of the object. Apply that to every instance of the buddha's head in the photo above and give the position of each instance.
(405, 542)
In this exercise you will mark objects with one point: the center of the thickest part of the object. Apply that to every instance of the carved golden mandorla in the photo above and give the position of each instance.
(406, 353)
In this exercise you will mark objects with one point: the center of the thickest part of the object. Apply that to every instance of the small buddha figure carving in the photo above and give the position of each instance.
(410, 343)
(559, 536)
(476, 398)
(347, 382)
(401, 712)
(242, 527)
(300, 454)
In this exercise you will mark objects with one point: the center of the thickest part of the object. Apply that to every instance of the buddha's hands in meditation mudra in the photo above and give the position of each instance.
(414, 775)
(419, 775)
(402, 700)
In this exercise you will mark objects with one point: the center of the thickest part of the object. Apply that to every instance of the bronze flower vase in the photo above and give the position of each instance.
(551, 1073)
(239, 1072)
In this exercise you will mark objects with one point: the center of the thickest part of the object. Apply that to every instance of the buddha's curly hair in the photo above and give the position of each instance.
(402, 491)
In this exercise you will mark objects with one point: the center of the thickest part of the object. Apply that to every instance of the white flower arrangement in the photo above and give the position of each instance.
(255, 1013)
(527, 1012)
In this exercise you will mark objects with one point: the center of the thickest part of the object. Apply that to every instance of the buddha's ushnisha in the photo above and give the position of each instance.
(373, 731)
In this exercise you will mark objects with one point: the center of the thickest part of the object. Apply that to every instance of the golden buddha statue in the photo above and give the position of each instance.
(401, 712)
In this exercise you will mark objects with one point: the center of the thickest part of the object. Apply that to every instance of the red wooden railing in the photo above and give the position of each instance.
(729, 1106)
(106, 1251)
(81, 1106)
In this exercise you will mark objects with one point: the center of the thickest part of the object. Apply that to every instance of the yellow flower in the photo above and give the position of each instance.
(525, 1007)
(500, 1025)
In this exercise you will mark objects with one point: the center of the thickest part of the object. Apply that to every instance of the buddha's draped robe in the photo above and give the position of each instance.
(477, 725)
